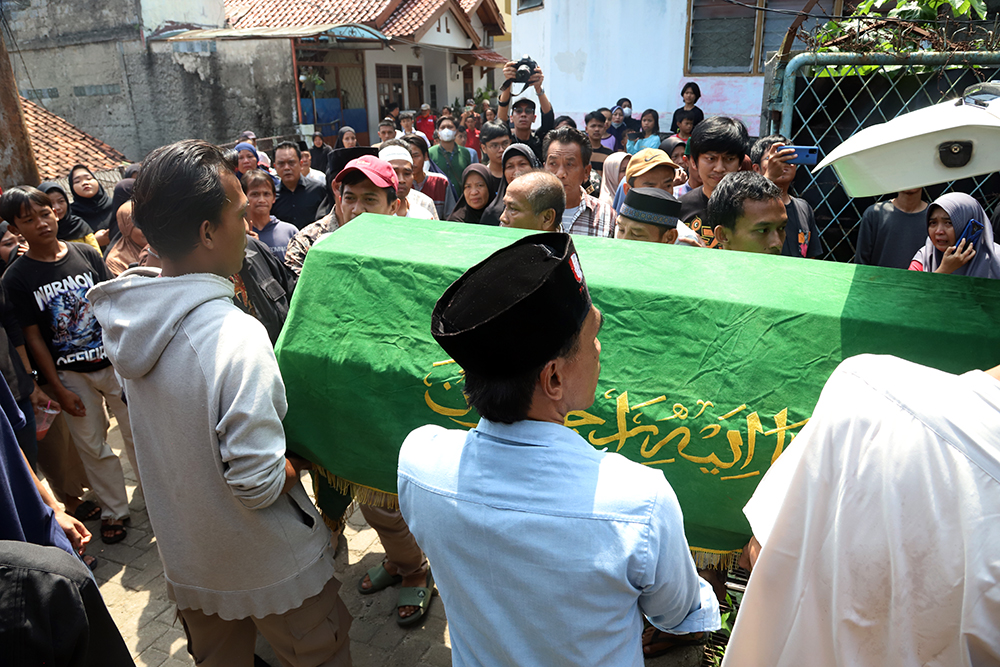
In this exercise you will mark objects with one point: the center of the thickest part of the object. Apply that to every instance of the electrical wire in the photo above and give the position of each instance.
(10, 32)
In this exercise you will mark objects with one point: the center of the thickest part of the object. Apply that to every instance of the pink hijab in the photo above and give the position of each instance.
(609, 183)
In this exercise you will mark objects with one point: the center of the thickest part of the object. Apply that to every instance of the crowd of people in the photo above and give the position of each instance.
(233, 229)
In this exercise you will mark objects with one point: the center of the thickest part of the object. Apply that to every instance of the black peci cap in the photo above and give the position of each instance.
(516, 309)
(651, 205)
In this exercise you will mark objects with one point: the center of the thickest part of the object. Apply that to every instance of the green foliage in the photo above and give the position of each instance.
(910, 27)
(486, 93)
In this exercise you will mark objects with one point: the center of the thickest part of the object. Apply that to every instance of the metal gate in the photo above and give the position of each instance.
(824, 98)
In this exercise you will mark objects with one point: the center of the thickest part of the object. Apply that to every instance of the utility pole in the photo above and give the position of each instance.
(17, 159)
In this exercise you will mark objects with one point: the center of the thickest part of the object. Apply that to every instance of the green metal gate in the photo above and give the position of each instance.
(824, 98)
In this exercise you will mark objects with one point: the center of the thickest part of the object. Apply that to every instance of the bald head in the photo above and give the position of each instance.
(535, 200)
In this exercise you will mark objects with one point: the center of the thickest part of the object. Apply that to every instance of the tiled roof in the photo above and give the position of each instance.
(410, 16)
(488, 55)
(285, 13)
(58, 145)
(404, 18)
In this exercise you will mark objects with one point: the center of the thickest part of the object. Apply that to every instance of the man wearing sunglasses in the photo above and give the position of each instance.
(523, 110)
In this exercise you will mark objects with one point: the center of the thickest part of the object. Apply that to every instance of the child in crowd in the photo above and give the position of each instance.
(691, 93)
(685, 125)
(649, 134)
(48, 287)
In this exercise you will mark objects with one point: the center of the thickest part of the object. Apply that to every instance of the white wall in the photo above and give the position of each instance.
(206, 13)
(592, 54)
(454, 39)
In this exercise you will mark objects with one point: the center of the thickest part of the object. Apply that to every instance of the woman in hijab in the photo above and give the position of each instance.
(90, 201)
(477, 193)
(948, 216)
(71, 227)
(246, 158)
(614, 171)
(618, 127)
(129, 246)
(346, 138)
(517, 159)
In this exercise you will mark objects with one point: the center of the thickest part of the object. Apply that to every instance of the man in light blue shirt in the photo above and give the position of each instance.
(546, 551)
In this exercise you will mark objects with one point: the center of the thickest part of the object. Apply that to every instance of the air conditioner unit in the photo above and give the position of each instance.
(456, 71)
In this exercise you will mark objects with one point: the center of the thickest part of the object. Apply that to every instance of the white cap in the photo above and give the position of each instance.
(395, 153)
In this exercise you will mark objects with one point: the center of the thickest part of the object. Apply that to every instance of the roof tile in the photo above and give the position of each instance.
(287, 13)
(58, 145)
(410, 16)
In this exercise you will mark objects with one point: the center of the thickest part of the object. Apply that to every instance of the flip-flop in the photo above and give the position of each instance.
(88, 510)
(672, 641)
(380, 580)
(118, 534)
(92, 563)
(415, 596)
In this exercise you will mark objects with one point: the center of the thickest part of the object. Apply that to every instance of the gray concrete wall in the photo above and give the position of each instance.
(137, 97)
(39, 24)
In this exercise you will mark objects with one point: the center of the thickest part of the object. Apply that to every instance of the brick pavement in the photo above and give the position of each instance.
(131, 580)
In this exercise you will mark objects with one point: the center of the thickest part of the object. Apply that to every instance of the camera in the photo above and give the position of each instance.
(525, 69)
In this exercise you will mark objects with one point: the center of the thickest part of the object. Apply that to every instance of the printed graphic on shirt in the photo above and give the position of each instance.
(76, 334)
(804, 242)
(707, 233)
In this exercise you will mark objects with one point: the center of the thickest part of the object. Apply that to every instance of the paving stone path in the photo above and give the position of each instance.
(131, 580)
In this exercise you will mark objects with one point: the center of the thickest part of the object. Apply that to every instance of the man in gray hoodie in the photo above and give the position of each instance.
(243, 548)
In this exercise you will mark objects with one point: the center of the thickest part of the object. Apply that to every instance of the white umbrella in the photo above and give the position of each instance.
(916, 148)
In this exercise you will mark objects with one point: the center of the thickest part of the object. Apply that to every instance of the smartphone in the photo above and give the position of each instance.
(973, 230)
(807, 155)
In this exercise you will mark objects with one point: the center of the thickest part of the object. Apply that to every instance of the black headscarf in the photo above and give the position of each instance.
(95, 211)
(491, 214)
(465, 213)
(71, 227)
(340, 136)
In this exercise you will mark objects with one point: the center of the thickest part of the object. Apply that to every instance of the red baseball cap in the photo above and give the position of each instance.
(377, 171)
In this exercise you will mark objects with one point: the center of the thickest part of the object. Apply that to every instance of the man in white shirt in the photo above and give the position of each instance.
(879, 526)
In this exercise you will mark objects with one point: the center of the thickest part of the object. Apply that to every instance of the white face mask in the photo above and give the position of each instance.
(446, 135)
(627, 111)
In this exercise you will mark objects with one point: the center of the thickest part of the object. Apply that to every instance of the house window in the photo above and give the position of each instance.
(726, 38)
(389, 86)
(523, 5)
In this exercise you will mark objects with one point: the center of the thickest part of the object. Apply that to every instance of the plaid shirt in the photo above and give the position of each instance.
(592, 218)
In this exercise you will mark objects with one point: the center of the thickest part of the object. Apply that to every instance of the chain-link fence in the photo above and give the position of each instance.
(824, 98)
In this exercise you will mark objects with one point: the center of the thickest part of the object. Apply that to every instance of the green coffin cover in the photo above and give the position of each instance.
(712, 361)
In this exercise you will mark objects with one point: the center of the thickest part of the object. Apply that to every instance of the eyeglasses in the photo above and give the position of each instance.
(527, 111)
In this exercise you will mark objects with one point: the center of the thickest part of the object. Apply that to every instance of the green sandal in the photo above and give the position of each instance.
(415, 596)
(380, 579)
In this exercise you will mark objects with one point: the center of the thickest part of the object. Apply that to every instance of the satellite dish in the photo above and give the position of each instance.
(945, 142)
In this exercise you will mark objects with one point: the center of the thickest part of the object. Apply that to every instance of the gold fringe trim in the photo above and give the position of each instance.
(366, 495)
(709, 559)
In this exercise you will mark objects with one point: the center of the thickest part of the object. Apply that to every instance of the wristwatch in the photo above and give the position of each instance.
(34, 375)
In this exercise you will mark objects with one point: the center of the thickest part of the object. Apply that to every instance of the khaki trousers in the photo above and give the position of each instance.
(401, 549)
(90, 434)
(312, 635)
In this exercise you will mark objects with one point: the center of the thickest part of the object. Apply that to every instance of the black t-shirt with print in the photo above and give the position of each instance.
(694, 214)
(52, 295)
